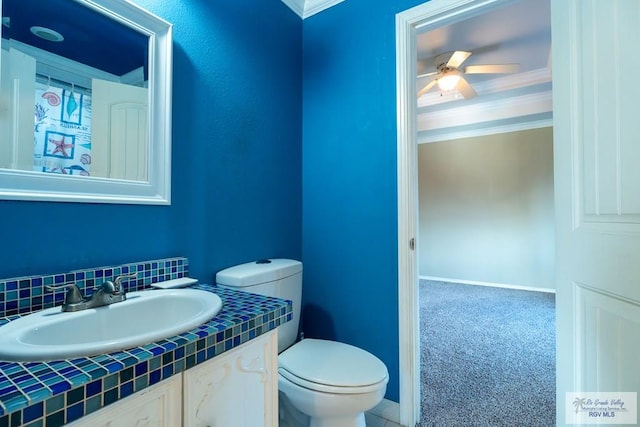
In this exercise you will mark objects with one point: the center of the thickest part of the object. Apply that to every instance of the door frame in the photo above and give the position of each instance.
(432, 14)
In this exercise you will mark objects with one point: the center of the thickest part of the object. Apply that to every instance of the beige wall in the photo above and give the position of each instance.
(486, 209)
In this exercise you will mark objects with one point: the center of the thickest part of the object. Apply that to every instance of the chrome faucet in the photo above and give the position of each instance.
(108, 293)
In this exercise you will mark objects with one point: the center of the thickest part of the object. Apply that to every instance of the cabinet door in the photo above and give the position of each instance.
(238, 388)
(157, 406)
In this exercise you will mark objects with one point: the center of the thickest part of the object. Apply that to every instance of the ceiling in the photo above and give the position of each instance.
(120, 49)
(517, 33)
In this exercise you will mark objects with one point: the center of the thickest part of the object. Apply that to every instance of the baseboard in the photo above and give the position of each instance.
(495, 285)
(387, 410)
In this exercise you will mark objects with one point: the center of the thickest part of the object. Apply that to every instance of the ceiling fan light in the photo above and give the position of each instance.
(448, 82)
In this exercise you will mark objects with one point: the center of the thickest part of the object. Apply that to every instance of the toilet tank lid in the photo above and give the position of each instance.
(257, 272)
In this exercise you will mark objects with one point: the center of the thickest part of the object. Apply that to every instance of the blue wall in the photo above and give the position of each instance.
(251, 81)
(349, 225)
(236, 156)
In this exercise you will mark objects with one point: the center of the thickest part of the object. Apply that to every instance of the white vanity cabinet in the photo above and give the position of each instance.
(159, 406)
(238, 388)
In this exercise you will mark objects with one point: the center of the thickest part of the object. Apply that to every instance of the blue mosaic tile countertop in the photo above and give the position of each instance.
(48, 394)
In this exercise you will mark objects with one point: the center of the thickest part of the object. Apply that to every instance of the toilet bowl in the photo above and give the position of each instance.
(321, 383)
(332, 383)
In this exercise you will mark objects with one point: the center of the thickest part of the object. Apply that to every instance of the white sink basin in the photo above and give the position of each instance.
(144, 317)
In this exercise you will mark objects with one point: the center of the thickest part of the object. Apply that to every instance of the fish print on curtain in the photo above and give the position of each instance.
(62, 131)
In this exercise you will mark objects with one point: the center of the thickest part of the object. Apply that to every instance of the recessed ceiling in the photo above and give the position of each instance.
(517, 33)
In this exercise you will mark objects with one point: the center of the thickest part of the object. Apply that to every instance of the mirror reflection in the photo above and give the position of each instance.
(73, 92)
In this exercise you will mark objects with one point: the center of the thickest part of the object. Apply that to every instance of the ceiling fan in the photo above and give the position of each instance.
(449, 75)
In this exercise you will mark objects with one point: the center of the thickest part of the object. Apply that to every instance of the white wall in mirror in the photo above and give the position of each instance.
(127, 163)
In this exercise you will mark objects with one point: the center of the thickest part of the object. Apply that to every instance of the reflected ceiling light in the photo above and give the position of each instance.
(47, 34)
(449, 80)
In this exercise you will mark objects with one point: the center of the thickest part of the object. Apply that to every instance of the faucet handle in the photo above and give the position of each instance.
(115, 287)
(73, 295)
(118, 280)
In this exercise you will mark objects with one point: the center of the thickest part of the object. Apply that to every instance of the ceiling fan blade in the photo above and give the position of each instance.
(458, 57)
(492, 69)
(426, 89)
(433, 73)
(465, 89)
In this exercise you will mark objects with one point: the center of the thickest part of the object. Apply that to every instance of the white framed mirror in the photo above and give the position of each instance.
(85, 102)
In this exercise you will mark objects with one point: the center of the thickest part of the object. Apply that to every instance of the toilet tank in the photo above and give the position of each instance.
(281, 278)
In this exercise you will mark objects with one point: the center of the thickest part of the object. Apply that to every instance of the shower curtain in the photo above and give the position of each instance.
(62, 130)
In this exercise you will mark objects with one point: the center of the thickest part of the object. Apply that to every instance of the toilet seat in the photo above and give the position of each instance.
(332, 367)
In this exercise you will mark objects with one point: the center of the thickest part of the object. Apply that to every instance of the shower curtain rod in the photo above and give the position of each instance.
(45, 79)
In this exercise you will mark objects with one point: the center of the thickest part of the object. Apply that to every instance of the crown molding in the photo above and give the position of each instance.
(296, 5)
(481, 119)
(311, 7)
(486, 129)
(307, 8)
(463, 115)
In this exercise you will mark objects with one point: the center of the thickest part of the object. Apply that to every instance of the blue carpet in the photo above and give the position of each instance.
(487, 356)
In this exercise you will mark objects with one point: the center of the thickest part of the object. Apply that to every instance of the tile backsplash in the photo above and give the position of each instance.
(21, 295)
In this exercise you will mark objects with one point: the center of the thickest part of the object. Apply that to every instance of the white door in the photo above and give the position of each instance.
(119, 131)
(596, 93)
(17, 101)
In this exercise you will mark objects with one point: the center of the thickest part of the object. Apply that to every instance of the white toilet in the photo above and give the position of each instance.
(321, 383)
